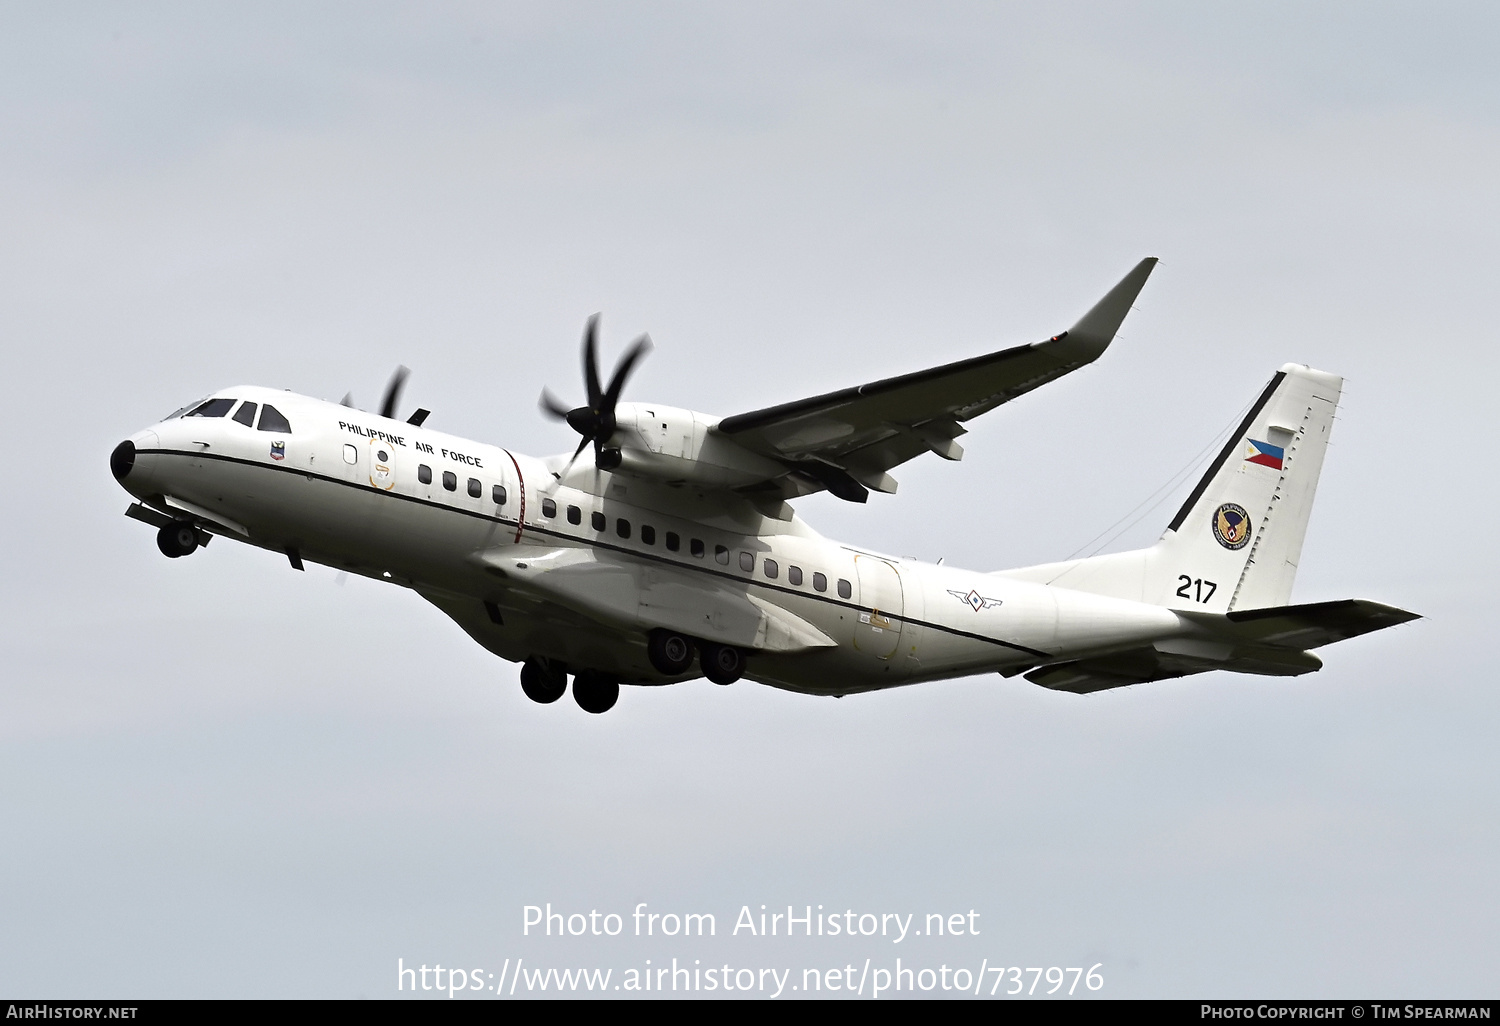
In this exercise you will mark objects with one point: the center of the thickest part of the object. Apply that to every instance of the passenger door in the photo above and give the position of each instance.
(878, 633)
(380, 464)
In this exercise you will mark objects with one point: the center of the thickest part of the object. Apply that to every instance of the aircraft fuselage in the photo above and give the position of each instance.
(477, 529)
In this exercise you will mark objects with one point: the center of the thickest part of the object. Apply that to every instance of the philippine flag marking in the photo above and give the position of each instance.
(1265, 454)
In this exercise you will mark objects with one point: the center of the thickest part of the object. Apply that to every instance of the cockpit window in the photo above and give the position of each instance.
(245, 414)
(272, 420)
(213, 408)
(180, 411)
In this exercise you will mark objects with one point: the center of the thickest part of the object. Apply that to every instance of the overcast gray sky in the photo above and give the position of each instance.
(222, 778)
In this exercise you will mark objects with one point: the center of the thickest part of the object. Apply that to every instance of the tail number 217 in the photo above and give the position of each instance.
(1196, 589)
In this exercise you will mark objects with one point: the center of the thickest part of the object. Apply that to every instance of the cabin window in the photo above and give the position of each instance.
(721, 555)
(272, 420)
(498, 494)
(844, 588)
(351, 455)
(770, 568)
(213, 408)
(673, 541)
(597, 521)
(245, 414)
(622, 527)
(475, 488)
(794, 575)
(575, 515)
(648, 534)
(747, 562)
(549, 508)
(695, 546)
(820, 583)
(424, 472)
(450, 480)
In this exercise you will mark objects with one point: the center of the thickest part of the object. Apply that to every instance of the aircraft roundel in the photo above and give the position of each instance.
(1231, 525)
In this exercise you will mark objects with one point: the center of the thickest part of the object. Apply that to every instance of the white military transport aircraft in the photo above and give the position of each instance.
(674, 551)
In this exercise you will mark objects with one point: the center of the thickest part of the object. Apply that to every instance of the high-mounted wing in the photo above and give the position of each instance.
(846, 441)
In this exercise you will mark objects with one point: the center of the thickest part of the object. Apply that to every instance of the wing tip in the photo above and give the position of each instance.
(1096, 329)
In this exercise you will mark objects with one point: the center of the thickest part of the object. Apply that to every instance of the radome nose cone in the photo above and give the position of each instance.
(122, 460)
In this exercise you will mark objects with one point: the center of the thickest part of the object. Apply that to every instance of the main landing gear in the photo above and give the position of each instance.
(179, 538)
(669, 652)
(597, 691)
(545, 681)
(672, 654)
(722, 664)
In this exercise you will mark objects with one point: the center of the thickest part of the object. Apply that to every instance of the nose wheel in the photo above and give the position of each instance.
(179, 538)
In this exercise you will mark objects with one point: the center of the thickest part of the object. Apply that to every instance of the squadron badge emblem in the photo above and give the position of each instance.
(1232, 526)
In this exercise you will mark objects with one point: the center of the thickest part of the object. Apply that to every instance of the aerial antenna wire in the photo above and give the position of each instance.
(1156, 498)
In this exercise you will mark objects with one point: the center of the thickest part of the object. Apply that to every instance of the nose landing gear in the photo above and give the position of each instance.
(179, 538)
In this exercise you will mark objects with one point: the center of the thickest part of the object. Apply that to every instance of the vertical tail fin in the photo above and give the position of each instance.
(1236, 541)
(1245, 521)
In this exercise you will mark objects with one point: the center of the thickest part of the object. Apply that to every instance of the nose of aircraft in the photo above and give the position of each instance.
(122, 460)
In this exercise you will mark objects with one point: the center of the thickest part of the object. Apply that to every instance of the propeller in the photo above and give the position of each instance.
(595, 421)
(393, 392)
(392, 397)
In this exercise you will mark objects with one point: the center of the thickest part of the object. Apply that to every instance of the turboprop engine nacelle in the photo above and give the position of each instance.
(675, 445)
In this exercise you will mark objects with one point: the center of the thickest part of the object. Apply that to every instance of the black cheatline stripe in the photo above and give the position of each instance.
(1192, 500)
(650, 556)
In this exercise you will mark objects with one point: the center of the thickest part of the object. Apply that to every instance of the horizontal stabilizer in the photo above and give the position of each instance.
(1312, 625)
(1269, 642)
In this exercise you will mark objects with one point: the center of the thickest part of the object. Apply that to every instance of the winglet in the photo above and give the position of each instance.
(1096, 329)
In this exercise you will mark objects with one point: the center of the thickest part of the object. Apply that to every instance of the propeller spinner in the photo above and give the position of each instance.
(596, 420)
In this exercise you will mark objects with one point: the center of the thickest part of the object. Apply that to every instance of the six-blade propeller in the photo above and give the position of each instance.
(392, 398)
(595, 421)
